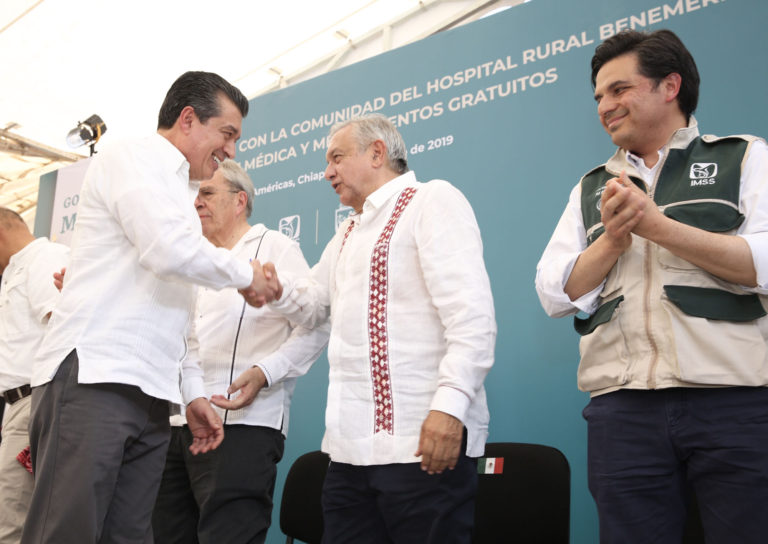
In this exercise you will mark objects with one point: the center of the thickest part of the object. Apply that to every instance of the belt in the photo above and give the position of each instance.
(17, 393)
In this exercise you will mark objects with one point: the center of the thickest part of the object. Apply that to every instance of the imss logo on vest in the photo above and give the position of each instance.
(703, 173)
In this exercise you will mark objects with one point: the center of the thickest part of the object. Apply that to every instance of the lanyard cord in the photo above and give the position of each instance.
(237, 334)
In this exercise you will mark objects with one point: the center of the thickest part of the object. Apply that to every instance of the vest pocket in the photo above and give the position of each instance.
(713, 216)
(602, 315)
(715, 304)
(604, 355)
(715, 350)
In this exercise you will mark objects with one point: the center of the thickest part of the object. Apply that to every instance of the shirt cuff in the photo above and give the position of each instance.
(286, 301)
(266, 374)
(451, 401)
(758, 245)
(588, 303)
(191, 389)
(244, 275)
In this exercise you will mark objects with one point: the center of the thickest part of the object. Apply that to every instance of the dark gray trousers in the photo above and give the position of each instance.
(97, 452)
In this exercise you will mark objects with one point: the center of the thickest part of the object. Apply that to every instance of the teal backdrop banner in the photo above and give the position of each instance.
(503, 109)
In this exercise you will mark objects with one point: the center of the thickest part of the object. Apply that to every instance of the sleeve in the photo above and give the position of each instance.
(192, 376)
(754, 202)
(150, 209)
(297, 354)
(306, 297)
(557, 261)
(450, 253)
(42, 293)
(301, 349)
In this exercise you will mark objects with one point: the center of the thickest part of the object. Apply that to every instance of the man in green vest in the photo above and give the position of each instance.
(665, 249)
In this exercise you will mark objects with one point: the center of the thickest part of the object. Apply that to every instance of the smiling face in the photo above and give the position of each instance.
(213, 140)
(636, 111)
(350, 170)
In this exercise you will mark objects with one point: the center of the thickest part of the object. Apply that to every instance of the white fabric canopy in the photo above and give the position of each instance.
(64, 60)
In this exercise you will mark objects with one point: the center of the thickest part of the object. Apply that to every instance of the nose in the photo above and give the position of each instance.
(330, 172)
(605, 105)
(229, 149)
(198, 202)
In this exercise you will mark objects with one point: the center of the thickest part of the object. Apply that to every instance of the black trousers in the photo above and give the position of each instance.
(223, 496)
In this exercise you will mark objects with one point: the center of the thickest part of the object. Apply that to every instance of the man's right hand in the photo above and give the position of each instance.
(621, 209)
(265, 286)
(205, 425)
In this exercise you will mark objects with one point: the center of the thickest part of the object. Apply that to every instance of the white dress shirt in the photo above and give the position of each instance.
(27, 296)
(569, 239)
(136, 251)
(433, 323)
(255, 339)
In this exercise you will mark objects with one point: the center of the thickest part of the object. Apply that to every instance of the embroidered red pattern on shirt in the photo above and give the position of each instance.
(377, 319)
(346, 235)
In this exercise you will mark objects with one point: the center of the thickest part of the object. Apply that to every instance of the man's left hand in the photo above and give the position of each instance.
(440, 442)
(58, 278)
(205, 425)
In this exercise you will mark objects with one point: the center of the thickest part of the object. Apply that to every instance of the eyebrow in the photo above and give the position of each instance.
(612, 86)
(232, 128)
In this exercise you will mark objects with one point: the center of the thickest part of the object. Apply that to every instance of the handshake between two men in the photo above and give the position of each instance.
(265, 287)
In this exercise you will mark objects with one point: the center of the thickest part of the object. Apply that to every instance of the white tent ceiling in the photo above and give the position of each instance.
(64, 60)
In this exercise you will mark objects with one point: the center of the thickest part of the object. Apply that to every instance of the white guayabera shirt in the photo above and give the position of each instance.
(137, 250)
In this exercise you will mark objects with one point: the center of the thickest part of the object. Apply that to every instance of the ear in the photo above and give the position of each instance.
(242, 200)
(671, 86)
(187, 118)
(379, 153)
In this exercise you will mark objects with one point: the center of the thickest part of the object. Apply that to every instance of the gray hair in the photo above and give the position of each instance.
(369, 128)
(239, 181)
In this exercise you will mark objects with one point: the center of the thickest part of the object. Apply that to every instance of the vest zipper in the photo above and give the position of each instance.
(648, 264)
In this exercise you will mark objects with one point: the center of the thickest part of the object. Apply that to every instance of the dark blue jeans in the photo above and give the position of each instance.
(648, 448)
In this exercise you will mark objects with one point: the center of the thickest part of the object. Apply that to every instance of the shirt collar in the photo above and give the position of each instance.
(19, 255)
(381, 195)
(170, 155)
(680, 139)
(640, 166)
(254, 232)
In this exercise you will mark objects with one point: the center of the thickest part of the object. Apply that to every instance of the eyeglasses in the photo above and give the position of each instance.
(207, 193)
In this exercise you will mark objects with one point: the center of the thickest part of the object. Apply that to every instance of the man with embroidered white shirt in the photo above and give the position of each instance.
(225, 496)
(27, 297)
(665, 246)
(110, 360)
(412, 339)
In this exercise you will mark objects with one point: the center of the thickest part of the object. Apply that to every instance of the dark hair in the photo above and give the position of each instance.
(8, 216)
(201, 90)
(659, 54)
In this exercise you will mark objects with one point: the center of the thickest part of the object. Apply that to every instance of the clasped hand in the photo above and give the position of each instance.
(265, 286)
(626, 209)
